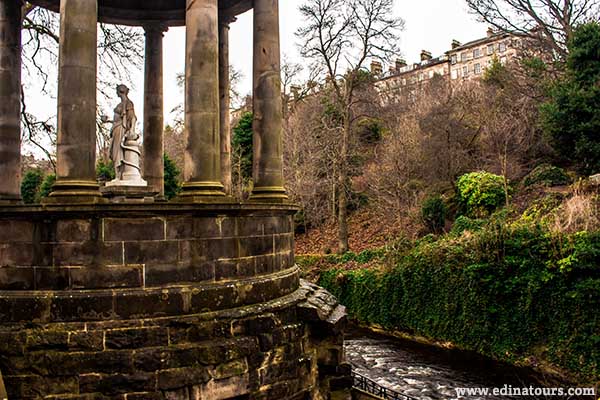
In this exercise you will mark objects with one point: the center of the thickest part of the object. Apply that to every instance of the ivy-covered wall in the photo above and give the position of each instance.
(507, 291)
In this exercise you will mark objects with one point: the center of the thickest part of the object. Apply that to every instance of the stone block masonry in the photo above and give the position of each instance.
(168, 301)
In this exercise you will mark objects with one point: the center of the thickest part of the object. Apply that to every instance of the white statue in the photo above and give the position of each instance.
(125, 143)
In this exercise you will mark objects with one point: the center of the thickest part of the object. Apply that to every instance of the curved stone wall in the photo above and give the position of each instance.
(161, 301)
(106, 262)
(289, 348)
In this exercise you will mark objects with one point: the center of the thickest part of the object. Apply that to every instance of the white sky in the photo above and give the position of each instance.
(430, 25)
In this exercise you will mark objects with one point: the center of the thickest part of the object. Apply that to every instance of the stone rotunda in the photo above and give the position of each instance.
(197, 298)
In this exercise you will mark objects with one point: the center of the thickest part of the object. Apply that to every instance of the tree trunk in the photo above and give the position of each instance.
(343, 246)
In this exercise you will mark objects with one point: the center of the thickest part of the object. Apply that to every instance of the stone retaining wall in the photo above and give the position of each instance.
(280, 349)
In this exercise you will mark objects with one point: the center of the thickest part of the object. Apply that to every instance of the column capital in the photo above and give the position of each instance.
(226, 20)
(155, 27)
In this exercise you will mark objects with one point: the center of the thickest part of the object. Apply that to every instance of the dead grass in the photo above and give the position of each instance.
(577, 213)
(367, 230)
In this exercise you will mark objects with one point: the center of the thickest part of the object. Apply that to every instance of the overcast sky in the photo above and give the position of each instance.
(430, 25)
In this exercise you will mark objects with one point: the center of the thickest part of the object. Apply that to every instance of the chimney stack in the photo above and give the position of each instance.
(295, 89)
(490, 32)
(425, 55)
(455, 44)
(400, 63)
(376, 68)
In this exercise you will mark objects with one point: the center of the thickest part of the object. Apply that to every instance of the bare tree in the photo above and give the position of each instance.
(547, 22)
(236, 99)
(341, 35)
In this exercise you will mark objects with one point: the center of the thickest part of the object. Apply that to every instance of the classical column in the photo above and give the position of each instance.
(153, 110)
(10, 101)
(224, 87)
(267, 104)
(202, 167)
(76, 147)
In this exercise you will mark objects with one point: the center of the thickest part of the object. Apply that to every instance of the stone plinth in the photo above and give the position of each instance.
(161, 301)
(118, 193)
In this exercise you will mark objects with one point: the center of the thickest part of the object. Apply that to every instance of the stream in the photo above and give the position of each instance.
(432, 373)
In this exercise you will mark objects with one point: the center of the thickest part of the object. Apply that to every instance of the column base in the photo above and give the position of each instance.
(75, 191)
(201, 192)
(269, 193)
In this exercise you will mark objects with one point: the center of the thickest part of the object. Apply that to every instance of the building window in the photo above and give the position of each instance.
(503, 60)
(477, 69)
(454, 59)
(454, 74)
(463, 57)
(404, 82)
(502, 47)
(476, 53)
(490, 49)
(421, 76)
(431, 73)
(465, 71)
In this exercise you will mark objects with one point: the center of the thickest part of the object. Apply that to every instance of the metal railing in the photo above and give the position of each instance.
(370, 386)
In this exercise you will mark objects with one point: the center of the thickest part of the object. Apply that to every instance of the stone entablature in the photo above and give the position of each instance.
(140, 12)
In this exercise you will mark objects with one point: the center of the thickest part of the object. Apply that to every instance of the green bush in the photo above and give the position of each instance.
(571, 117)
(30, 185)
(46, 187)
(105, 171)
(242, 144)
(433, 213)
(480, 193)
(371, 130)
(172, 185)
(547, 175)
(507, 291)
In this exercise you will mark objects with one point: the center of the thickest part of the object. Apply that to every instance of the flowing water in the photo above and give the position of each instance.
(427, 372)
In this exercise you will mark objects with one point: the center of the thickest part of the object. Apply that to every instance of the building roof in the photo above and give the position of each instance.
(140, 12)
(479, 42)
(416, 67)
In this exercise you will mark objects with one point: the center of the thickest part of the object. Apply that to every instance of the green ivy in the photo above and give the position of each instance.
(507, 291)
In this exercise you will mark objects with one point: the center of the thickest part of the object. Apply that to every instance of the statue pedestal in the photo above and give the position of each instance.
(135, 182)
(122, 192)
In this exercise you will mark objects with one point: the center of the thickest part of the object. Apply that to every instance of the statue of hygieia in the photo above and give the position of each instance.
(125, 143)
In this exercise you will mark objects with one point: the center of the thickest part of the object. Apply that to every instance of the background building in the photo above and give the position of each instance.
(462, 62)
